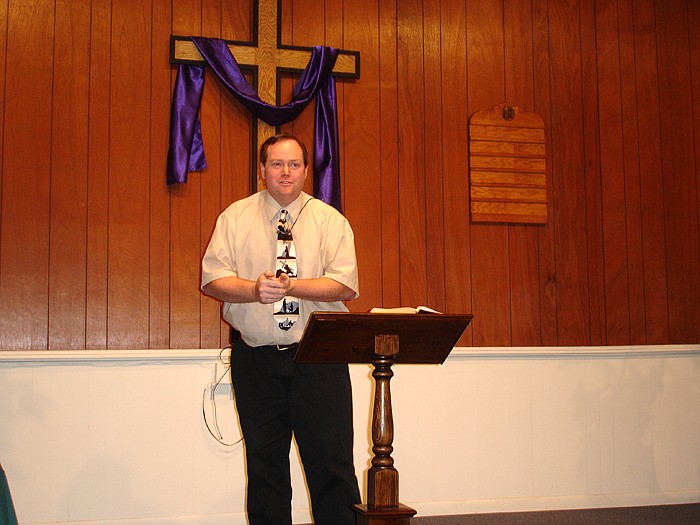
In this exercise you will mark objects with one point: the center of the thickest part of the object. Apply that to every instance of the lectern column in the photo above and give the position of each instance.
(383, 507)
(345, 337)
(382, 477)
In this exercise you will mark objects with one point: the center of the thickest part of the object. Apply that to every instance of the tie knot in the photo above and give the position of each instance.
(283, 228)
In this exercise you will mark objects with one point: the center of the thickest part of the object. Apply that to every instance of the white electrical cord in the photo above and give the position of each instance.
(211, 390)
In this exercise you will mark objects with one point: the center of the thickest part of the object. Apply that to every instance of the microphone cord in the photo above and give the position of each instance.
(211, 390)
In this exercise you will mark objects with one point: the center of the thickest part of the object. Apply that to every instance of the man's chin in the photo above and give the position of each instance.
(284, 195)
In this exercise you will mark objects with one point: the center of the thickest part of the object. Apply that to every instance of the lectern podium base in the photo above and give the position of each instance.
(343, 337)
(400, 515)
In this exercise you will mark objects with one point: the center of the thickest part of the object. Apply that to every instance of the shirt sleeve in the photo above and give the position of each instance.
(341, 265)
(219, 260)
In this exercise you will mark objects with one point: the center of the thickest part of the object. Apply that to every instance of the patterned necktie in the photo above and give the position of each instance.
(285, 311)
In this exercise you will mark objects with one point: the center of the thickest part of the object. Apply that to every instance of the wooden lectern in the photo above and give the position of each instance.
(344, 337)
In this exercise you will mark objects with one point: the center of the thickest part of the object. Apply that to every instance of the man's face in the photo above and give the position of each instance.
(284, 171)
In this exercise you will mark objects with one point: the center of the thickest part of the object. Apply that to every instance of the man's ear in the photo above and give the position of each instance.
(262, 171)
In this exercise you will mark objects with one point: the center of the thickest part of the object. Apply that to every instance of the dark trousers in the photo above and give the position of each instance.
(276, 398)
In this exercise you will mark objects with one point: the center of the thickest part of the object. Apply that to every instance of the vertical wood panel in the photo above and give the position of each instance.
(98, 177)
(434, 198)
(285, 83)
(337, 24)
(633, 213)
(411, 162)
(680, 188)
(293, 30)
(434, 168)
(333, 35)
(210, 181)
(523, 239)
(612, 173)
(24, 258)
(159, 204)
(389, 153)
(306, 29)
(545, 238)
(185, 210)
(489, 243)
(593, 178)
(309, 22)
(361, 154)
(3, 56)
(453, 36)
(129, 155)
(68, 220)
(694, 33)
(237, 143)
(568, 176)
(651, 175)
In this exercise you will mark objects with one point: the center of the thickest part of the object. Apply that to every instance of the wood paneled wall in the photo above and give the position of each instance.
(97, 252)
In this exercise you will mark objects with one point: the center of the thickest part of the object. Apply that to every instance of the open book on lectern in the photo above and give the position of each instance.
(404, 310)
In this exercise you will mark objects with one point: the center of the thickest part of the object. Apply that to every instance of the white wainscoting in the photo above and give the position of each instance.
(110, 438)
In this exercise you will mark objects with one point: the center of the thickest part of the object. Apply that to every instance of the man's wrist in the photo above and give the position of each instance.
(256, 290)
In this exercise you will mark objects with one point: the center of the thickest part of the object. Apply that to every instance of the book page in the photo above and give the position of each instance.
(404, 310)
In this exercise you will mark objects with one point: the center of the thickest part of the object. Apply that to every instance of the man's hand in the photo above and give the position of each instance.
(270, 289)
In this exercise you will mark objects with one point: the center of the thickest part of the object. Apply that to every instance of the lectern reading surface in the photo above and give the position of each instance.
(344, 337)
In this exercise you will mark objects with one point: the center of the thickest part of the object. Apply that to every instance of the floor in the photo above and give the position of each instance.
(656, 515)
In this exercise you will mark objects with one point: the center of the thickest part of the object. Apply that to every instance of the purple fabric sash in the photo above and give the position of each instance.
(186, 151)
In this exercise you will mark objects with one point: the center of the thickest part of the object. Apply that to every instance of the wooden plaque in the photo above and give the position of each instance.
(507, 166)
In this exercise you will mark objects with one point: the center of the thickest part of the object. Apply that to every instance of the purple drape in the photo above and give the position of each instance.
(186, 151)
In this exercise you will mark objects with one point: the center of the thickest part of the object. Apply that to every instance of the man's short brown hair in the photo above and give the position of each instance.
(279, 138)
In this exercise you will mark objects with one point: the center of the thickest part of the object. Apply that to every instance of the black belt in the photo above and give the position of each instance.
(283, 348)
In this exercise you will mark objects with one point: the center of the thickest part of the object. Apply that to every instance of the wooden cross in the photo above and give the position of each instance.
(266, 56)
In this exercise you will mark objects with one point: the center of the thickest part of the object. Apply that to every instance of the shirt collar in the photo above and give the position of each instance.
(272, 207)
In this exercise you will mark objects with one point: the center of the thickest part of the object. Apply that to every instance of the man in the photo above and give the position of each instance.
(274, 258)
